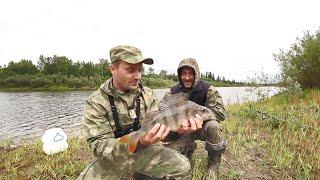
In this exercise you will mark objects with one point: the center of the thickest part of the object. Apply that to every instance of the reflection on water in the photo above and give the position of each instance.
(30, 113)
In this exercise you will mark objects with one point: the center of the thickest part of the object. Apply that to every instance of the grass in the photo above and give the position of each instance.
(30, 162)
(278, 138)
(286, 127)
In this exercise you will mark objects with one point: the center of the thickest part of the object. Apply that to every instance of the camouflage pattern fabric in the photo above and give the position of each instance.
(113, 161)
(128, 54)
(155, 161)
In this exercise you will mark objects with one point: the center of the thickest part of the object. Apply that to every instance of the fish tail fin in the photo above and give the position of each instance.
(131, 139)
(125, 139)
(133, 143)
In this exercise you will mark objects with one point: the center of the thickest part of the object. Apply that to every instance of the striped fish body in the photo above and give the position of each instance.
(171, 114)
(172, 117)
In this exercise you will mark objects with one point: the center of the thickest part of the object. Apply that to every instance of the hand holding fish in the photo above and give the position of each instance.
(176, 113)
(190, 125)
(157, 133)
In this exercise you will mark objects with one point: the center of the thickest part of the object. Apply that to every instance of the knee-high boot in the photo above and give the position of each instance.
(214, 158)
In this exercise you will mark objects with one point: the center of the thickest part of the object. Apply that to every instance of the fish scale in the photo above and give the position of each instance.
(172, 111)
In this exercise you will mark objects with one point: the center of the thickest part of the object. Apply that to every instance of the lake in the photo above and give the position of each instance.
(29, 114)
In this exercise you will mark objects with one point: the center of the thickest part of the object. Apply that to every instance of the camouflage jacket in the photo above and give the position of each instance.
(99, 123)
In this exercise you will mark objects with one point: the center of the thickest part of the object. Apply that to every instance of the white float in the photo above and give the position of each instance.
(54, 140)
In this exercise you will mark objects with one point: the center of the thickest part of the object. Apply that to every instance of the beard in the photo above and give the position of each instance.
(133, 85)
(188, 83)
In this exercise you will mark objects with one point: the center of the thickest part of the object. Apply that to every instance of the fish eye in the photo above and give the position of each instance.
(203, 110)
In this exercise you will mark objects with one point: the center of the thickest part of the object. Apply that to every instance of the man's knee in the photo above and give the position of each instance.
(182, 167)
(95, 170)
(162, 163)
(212, 128)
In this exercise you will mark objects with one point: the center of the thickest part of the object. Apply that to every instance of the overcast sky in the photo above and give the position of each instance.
(231, 38)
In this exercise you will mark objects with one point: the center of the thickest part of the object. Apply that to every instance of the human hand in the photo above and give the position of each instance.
(157, 132)
(191, 125)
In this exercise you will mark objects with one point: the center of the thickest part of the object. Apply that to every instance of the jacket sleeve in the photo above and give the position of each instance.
(215, 103)
(100, 135)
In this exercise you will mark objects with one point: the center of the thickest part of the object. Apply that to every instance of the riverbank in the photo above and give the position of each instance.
(45, 89)
(56, 89)
(277, 138)
(149, 82)
(43, 83)
(58, 82)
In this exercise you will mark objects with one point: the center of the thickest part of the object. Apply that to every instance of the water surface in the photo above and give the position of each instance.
(29, 114)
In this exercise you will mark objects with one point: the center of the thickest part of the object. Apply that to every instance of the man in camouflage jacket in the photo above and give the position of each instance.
(113, 161)
(204, 94)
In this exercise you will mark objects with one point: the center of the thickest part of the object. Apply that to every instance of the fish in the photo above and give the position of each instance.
(172, 110)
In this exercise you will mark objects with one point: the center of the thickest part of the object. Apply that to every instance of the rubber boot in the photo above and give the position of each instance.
(214, 159)
(190, 150)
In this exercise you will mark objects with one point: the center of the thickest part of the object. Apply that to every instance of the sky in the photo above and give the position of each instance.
(231, 38)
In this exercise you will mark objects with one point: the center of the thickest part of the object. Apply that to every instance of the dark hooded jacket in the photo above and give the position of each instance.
(201, 92)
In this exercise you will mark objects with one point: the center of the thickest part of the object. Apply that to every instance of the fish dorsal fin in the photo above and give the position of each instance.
(172, 99)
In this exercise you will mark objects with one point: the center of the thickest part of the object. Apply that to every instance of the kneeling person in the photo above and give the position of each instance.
(115, 110)
(210, 131)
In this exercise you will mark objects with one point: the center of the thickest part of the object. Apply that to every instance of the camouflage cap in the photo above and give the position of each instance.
(128, 54)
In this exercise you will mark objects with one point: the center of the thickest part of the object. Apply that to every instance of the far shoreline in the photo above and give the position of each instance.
(67, 89)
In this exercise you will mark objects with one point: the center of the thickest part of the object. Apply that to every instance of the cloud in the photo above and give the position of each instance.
(231, 38)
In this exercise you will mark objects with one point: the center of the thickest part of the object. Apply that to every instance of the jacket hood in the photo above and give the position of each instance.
(192, 63)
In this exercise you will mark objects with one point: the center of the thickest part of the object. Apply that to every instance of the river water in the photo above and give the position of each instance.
(29, 114)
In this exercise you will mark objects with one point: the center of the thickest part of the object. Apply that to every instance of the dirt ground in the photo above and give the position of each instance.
(252, 166)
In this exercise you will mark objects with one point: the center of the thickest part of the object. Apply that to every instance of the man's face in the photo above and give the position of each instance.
(126, 76)
(187, 77)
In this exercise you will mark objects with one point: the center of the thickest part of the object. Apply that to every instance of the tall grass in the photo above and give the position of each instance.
(288, 128)
(30, 162)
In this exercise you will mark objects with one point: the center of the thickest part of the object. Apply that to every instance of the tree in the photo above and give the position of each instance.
(163, 74)
(55, 65)
(45, 65)
(22, 67)
(62, 65)
(302, 61)
(87, 69)
(151, 72)
(103, 66)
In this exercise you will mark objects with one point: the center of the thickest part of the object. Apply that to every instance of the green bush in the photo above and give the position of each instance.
(302, 61)
(157, 82)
